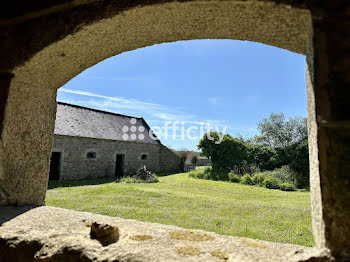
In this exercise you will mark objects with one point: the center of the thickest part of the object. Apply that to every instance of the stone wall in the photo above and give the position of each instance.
(75, 164)
(168, 160)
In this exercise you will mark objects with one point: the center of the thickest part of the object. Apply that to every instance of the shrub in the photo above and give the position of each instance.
(261, 155)
(228, 153)
(209, 174)
(258, 179)
(184, 155)
(201, 173)
(141, 176)
(245, 168)
(300, 163)
(272, 183)
(285, 174)
(234, 178)
(247, 180)
(219, 174)
(287, 187)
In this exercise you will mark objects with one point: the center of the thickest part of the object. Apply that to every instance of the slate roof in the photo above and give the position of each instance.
(74, 120)
(203, 158)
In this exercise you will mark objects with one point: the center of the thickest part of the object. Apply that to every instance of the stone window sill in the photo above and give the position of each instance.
(52, 234)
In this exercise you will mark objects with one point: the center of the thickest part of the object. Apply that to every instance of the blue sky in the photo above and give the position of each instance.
(225, 83)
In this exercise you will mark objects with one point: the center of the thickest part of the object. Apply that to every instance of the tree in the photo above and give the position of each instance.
(183, 154)
(194, 159)
(277, 131)
(282, 142)
(224, 156)
(262, 156)
(300, 162)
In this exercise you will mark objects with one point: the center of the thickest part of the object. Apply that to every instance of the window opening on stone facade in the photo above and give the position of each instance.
(91, 155)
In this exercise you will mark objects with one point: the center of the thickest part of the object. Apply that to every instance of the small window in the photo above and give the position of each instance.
(143, 157)
(91, 155)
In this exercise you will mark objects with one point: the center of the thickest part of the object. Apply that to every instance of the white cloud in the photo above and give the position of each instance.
(119, 78)
(174, 116)
(156, 114)
(118, 104)
(121, 101)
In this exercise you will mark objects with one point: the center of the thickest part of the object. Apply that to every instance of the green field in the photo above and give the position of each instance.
(221, 207)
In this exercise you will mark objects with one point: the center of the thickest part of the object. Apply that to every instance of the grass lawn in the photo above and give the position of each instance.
(221, 207)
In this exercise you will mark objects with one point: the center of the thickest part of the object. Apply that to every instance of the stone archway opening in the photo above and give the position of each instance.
(71, 37)
(36, 81)
(94, 88)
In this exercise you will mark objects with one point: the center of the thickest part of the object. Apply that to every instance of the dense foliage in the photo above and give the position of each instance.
(247, 180)
(281, 143)
(272, 183)
(221, 153)
(281, 178)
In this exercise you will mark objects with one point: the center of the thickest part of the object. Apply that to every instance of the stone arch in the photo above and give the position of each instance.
(46, 47)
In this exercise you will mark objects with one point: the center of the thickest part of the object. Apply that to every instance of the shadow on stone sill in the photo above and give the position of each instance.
(9, 212)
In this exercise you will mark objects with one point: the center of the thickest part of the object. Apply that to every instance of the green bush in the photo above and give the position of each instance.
(247, 180)
(245, 168)
(287, 187)
(201, 173)
(285, 174)
(209, 174)
(219, 174)
(261, 156)
(272, 183)
(234, 178)
(225, 155)
(300, 163)
(258, 179)
(281, 178)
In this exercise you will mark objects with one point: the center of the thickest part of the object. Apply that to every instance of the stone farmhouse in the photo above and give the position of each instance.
(90, 143)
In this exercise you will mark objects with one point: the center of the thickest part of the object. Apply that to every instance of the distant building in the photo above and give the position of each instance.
(203, 161)
(189, 165)
(91, 143)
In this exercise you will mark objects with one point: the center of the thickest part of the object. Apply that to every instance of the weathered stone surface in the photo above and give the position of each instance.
(55, 234)
(106, 234)
(55, 23)
(25, 144)
(332, 96)
(141, 237)
(190, 235)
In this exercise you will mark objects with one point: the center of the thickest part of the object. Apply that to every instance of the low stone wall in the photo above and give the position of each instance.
(55, 234)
